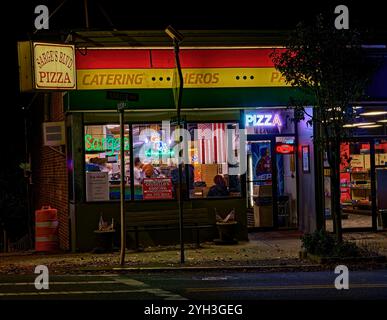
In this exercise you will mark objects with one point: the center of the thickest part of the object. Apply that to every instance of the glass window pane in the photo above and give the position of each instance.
(213, 153)
(355, 185)
(102, 161)
(155, 162)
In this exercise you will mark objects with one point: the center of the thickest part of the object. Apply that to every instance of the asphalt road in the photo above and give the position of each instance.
(370, 285)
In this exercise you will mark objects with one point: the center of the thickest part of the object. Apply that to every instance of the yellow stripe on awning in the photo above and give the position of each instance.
(193, 78)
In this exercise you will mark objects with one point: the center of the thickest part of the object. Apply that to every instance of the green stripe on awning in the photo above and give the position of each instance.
(89, 100)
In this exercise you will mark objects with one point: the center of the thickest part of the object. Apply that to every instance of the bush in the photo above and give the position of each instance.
(323, 244)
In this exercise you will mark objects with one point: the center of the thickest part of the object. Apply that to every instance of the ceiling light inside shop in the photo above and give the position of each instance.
(383, 121)
(371, 126)
(373, 113)
(360, 124)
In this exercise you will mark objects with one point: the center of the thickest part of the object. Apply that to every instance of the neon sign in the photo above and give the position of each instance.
(284, 148)
(156, 154)
(263, 120)
(107, 144)
(161, 150)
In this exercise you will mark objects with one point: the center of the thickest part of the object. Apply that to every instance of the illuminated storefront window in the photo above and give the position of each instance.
(102, 162)
(212, 172)
(155, 162)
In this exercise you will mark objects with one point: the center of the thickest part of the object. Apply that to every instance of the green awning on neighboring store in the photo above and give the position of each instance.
(90, 100)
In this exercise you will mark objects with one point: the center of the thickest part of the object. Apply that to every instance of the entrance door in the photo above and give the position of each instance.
(356, 185)
(260, 183)
(285, 151)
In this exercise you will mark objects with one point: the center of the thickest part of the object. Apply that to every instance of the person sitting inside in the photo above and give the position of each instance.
(219, 189)
(138, 172)
(93, 165)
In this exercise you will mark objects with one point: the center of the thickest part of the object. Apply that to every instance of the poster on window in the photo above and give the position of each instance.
(261, 161)
(157, 188)
(97, 186)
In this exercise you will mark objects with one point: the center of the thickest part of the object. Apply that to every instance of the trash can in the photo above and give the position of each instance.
(104, 241)
(46, 229)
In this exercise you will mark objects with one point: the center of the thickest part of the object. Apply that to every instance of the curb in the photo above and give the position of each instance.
(207, 268)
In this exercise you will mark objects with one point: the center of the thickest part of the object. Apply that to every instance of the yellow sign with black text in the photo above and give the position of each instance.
(92, 79)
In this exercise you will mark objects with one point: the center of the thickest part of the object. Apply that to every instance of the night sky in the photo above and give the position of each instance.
(142, 14)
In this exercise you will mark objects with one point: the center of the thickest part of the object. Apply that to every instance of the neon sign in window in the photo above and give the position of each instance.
(107, 144)
(263, 120)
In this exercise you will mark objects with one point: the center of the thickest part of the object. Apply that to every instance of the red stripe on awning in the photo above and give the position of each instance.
(214, 58)
(158, 58)
(113, 59)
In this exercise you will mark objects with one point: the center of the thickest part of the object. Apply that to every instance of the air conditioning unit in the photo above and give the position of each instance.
(54, 133)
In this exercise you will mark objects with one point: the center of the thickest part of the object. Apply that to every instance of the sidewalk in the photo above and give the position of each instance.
(265, 250)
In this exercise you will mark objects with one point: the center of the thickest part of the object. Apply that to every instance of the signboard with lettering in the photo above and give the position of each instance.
(97, 186)
(155, 69)
(46, 66)
(157, 188)
(263, 120)
(121, 96)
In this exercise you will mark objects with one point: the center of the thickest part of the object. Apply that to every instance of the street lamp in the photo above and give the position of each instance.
(177, 37)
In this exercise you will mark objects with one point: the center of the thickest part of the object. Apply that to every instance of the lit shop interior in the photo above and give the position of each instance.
(363, 172)
(154, 157)
(267, 178)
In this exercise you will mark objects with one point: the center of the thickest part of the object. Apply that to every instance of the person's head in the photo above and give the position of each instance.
(94, 160)
(137, 162)
(219, 180)
(148, 170)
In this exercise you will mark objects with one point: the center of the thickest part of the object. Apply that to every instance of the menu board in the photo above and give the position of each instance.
(157, 188)
(97, 186)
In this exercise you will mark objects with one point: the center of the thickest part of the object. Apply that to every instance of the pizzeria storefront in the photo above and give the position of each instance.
(242, 151)
(241, 145)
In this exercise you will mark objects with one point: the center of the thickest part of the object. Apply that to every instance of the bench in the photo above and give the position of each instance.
(164, 220)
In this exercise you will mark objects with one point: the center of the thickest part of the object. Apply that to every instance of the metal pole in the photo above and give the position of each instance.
(5, 239)
(180, 184)
(86, 14)
(121, 107)
(27, 177)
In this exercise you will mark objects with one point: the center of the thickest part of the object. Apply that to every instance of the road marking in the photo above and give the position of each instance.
(48, 293)
(273, 288)
(141, 287)
(161, 293)
(57, 282)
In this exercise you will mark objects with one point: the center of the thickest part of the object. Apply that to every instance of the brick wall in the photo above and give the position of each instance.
(49, 169)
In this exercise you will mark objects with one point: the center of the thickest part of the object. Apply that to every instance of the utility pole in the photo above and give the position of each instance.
(177, 38)
(122, 97)
(121, 109)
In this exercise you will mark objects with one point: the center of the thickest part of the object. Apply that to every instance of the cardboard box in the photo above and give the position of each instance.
(263, 216)
(262, 191)
(367, 162)
(357, 161)
(380, 159)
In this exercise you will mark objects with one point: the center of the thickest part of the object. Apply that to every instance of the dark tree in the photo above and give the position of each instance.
(331, 68)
